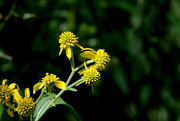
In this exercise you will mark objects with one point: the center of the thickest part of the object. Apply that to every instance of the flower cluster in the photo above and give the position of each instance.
(90, 75)
(24, 107)
(6, 92)
(100, 58)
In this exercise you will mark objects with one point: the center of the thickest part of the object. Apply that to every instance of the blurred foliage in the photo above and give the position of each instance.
(141, 36)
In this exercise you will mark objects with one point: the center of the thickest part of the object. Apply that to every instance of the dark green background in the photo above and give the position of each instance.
(142, 37)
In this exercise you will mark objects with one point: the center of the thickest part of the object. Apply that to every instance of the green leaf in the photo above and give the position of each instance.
(4, 115)
(46, 100)
(120, 79)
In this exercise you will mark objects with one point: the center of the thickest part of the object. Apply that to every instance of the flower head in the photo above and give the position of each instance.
(6, 91)
(91, 76)
(26, 105)
(5, 94)
(49, 81)
(68, 39)
(100, 57)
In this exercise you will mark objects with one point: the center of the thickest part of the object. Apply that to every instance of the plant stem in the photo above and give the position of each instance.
(40, 96)
(72, 60)
(75, 83)
(8, 16)
(31, 119)
(70, 77)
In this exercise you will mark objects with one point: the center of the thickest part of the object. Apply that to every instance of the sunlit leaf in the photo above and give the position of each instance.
(46, 100)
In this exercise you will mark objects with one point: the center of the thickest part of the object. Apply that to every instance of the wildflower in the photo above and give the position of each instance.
(91, 76)
(68, 39)
(5, 94)
(49, 81)
(100, 57)
(26, 105)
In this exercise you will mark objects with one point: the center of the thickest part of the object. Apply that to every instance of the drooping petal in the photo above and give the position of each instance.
(82, 71)
(68, 52)
(14, 86)
(10, 112)
(60, 51)
(60, 85)
(89, 54)
(4, 81)
(88, 49)
(85, 66)
(17, 96)
(80, 83)
(37, 87)
(78, 45)
(27, 93)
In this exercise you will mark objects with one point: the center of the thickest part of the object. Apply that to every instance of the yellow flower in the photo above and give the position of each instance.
(68, 39)
(26, 105)
(91, 76)
(100, 57)
(49, 81)
(5, 94)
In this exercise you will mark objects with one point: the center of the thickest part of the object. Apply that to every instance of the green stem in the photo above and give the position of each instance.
(70, 77)
(31, 119)
(40, 96)
(72, 60)
(75, 83)
(8, 16)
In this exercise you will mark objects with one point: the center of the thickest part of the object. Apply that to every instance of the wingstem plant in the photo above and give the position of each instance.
(26, 107)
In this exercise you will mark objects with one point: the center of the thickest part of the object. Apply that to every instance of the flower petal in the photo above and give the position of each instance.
(89, 54)
(60, 85)
(80, 83)
(4, 81)
(10, 112)
(61, 49)
(17, 96)
(37, 87)
(85, 66)
(13, 86)
(78, 45)
(27, 93)
(68, 52)
(88, 49)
